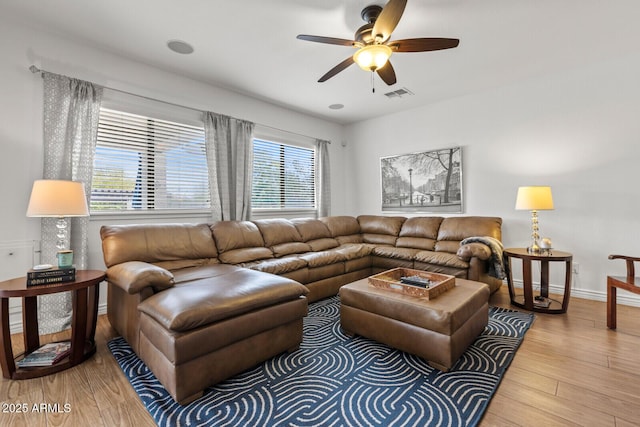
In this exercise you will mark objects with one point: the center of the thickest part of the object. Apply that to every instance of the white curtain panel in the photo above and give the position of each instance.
(323, 172)
(71, 112)
(229, 146)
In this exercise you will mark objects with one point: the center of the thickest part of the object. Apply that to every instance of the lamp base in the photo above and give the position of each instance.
(534, 249)
(62, 234)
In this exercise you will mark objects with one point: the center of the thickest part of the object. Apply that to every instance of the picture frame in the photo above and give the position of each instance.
(426, 182)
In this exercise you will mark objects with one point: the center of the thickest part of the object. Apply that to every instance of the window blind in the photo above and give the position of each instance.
(144, 164)
(283, 176)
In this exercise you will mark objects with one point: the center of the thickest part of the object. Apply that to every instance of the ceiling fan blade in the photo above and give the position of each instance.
(423, 44)
(387, 74)
(327, 40)
(335, 70)
(388, 19)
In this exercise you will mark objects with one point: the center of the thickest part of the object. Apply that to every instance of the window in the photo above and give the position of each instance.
(147, 164)
(283, 176)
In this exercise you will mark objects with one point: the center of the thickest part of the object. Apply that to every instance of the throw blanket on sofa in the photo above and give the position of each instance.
(496, 265)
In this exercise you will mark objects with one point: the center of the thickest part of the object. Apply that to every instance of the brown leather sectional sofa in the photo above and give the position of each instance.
(196, 302)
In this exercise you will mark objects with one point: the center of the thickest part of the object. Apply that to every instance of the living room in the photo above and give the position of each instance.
(562, 117)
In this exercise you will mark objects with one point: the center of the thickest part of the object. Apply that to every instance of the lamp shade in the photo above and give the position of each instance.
(54, 198)
(535, 198)
(372, 57)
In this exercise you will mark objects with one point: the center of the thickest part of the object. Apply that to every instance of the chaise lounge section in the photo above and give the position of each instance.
(200, 303)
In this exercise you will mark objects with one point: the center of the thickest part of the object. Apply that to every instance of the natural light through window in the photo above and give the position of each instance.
(146, 164)
(283, 176)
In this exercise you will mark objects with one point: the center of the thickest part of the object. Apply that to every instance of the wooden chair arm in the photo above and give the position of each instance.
(630, 264)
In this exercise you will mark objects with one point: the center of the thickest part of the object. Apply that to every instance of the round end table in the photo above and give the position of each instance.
(85, 291)
(527, 300)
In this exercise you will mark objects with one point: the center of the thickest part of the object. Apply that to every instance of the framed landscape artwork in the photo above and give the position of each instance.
(430, 181)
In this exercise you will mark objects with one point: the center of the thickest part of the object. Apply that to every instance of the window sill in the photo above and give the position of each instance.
(198, 214)
(283, 213)
(172, 214)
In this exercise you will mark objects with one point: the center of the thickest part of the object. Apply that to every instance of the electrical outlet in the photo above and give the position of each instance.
(576, 268)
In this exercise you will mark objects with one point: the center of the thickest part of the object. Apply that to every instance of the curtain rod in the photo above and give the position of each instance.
(35, 70)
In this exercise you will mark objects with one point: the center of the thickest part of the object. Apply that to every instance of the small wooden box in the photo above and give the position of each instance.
(391, 280)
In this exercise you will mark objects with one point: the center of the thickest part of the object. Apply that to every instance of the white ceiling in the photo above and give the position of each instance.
(250, 46)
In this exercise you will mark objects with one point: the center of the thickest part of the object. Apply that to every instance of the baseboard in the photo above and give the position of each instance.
(623, 298)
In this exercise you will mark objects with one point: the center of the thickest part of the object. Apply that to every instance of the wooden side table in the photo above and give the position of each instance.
(526, 300)
(85, 291)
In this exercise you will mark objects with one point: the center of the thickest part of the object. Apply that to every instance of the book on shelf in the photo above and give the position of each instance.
(46, 355)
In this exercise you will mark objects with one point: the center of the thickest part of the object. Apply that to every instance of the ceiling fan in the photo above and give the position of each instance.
(373, 44)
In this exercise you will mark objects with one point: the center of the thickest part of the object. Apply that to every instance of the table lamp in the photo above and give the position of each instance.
(58, 199)
(534, 199)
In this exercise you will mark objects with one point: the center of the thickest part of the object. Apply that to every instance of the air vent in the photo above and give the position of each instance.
(398, 93)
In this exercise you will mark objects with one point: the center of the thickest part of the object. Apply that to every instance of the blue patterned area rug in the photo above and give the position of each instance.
(336, 380)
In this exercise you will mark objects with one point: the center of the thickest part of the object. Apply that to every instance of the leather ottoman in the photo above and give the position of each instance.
(195, 336)
(438, 330)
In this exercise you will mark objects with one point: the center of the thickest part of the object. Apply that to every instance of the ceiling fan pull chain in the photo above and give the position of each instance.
(373, 83)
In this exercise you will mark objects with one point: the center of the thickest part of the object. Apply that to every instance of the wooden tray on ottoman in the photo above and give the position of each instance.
(391, 280)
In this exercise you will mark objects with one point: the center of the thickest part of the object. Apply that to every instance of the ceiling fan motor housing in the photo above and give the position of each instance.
(363, 34)
(369, 14)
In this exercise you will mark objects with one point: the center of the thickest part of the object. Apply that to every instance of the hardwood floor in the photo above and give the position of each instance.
(569, 370)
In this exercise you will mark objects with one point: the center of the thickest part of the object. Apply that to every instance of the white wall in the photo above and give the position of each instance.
(577, 131)
(21, 116)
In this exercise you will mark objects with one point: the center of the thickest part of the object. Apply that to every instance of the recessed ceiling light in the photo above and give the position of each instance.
(336, 106)
(179, 46)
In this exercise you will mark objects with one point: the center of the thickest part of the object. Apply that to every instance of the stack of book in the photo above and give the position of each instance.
(47, 355)
(50, 276)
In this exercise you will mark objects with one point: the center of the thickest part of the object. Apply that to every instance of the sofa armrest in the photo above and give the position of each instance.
(470, 250)
(134, 276)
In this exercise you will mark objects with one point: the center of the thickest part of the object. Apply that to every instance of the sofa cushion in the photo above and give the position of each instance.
(395, 253)
(239, 241)
(319, 259)
(239, 256)
(211, 299)
(156, 242)
(416, 242)
(315, 233)
(231, 235)
(419, 232)
(184, 276)
(380, 230)
(279, 265)
(354, 250)
(319, 245)
(377, 224)
(459, 228)
(290, 248)
(281, 236)
(441, 258)
(450, 246)
(277, 230)
(311, 229)
(345, 229)
(186, 263)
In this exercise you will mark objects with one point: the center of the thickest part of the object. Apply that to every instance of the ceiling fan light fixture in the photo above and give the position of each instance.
(372, 57)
